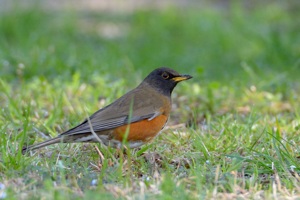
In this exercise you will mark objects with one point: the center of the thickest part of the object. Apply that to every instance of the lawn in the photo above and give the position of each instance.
(234, 128)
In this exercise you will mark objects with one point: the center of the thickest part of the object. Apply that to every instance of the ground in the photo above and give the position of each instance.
(234, 128)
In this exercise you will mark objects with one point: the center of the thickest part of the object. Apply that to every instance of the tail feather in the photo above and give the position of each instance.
(42, 144)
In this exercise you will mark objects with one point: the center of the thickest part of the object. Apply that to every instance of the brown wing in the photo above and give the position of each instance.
(136, 105)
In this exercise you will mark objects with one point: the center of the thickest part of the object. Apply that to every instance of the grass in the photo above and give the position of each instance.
(234, 130)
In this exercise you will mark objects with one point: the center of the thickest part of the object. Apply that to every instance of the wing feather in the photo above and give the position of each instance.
(117, 113)
(84, 127)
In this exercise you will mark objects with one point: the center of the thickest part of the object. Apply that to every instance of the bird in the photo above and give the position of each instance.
(136, 117)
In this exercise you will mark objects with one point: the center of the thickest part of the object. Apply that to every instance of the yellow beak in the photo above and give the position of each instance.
(181, 78)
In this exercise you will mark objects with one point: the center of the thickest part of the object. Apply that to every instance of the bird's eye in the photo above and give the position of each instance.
(165, 75)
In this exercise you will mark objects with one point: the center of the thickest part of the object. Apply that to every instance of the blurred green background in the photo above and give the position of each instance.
(231, 42)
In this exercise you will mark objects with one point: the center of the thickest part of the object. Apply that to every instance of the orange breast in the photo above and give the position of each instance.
(143, 130)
